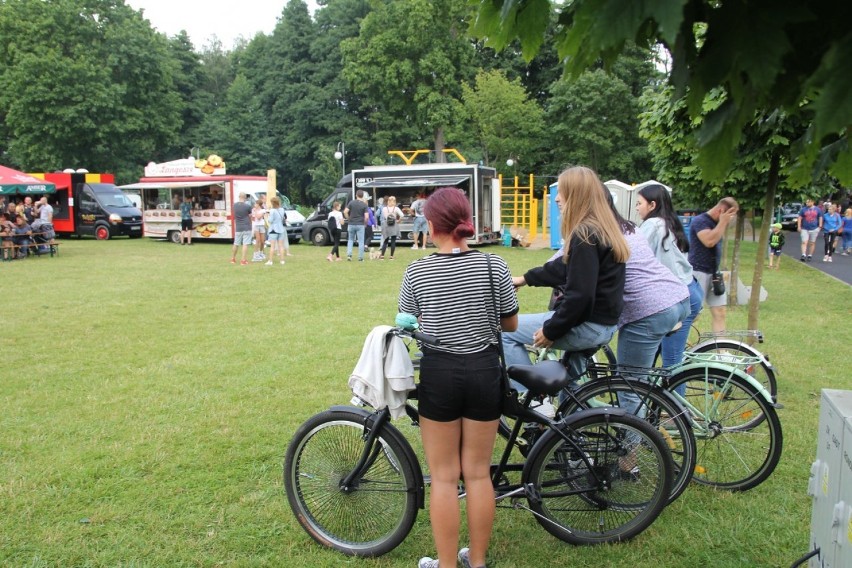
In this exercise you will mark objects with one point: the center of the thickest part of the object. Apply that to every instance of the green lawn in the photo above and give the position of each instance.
(149, 392)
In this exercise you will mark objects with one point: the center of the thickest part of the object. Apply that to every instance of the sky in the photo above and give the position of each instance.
(228, 20)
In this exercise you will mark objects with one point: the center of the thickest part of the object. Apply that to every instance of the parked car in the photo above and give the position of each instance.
(788, 215)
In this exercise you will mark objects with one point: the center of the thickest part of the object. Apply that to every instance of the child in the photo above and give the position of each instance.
(776, 243)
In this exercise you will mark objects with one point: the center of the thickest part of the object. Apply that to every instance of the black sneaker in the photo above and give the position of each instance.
(803, 258)
(809, 258)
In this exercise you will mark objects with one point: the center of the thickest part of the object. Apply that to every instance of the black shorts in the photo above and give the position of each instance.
(459, 386)
(186, 224)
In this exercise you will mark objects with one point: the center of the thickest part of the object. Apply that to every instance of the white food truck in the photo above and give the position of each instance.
(212, 192)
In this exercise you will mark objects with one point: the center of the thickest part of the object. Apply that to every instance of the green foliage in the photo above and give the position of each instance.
(506, 122)
(409, 63)
(765, 56)
(84, 84)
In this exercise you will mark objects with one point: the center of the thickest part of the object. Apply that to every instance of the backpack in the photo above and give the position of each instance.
(332, 223)
(390, 221)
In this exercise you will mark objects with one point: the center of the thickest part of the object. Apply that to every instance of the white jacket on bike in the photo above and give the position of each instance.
(384, 374)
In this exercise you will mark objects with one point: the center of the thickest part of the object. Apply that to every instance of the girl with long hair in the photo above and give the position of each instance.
(455, 299)
(667, 239)
(589, 273)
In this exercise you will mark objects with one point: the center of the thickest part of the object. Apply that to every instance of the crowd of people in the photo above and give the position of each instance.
(645, 283)
(25, 226)
(260, 224)
(836, 230)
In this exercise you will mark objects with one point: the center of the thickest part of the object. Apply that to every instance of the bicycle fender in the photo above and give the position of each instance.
(420, 488)
(742, 344)
(725, 370)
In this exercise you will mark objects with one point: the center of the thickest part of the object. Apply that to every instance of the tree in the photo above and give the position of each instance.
(506, 122)
(592, 121)
(784, 55)
(409, 63)
(240, 130)
(85, 84)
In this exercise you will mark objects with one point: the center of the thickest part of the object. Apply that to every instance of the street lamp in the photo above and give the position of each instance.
(340, 154)
(510, 162)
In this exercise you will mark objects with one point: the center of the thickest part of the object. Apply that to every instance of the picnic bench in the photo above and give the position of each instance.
(11, 251)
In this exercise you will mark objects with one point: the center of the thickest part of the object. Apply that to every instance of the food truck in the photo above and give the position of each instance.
(212, 191)
(91, 204)
(479, 183)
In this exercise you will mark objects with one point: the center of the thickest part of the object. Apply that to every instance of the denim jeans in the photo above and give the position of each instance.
(638, 342)
(355, 232)
(674, 344)
(584, 336)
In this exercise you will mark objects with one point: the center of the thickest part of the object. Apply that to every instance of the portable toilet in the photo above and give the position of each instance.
(621, 195)
(555, 218)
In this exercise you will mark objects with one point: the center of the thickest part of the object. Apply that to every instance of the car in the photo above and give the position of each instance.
(788, 215)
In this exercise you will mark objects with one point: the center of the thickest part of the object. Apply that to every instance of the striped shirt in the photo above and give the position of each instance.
(452, 296)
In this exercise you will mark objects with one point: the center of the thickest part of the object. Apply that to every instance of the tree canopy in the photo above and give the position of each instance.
(766, 55)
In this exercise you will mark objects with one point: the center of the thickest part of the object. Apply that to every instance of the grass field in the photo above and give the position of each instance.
(149, 391)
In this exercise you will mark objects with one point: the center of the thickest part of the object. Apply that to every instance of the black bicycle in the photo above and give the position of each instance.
(355, 484)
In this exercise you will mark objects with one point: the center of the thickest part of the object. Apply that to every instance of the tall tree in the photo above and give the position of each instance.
(507, 122)
(240, 130)
(189, 83)
(592, 121)
(85, 83)
(409, 63)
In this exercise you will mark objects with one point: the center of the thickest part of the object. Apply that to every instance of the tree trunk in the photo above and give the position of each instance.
(763, 242)
(735, 260)
(440, 156)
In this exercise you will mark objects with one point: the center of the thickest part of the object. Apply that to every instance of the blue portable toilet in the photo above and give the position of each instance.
(555, 219)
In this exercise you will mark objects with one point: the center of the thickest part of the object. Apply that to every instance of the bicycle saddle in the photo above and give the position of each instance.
(546, 377)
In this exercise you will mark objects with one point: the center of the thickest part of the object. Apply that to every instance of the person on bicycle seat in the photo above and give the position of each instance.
(452, 293)
(589, 273)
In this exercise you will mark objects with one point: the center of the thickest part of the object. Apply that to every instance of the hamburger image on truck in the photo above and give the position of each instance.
(210, 189)
(91, 204)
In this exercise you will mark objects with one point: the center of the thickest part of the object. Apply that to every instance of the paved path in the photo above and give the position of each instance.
(841, 268)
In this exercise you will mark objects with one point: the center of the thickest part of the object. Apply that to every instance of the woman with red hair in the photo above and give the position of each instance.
(452, 293)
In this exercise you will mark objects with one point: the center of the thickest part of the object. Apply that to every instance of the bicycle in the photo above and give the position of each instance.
(597, 476)
(656, 406)
(733, 418)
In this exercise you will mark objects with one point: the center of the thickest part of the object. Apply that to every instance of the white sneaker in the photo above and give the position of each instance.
(269, 263)
(414, 247)
(829, 259)
(427, 562)
(825, 258)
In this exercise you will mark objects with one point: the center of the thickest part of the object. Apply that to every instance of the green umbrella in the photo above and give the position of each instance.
(14, 182)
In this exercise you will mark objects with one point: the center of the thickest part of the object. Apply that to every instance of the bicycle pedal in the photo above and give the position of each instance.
(532, 494)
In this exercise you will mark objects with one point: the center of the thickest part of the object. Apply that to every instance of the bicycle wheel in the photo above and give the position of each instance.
(377, 511)
(602, 503)
(734, 450)
(660, 409)
(763, 371)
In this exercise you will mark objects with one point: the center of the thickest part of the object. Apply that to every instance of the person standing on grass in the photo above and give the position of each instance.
(356, 213)
(242, 228)
(667, 239)
(705, 253)
(277, 231)
(390, 215)
(186, 220)
(455, 299)
(335, 224)
(258, 228)
(808, 225)
(420, 225)
(831, 227)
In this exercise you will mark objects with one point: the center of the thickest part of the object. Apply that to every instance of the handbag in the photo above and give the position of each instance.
(509, 401)
(718, 282)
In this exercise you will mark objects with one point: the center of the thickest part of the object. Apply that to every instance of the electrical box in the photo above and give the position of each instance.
(830, 482)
